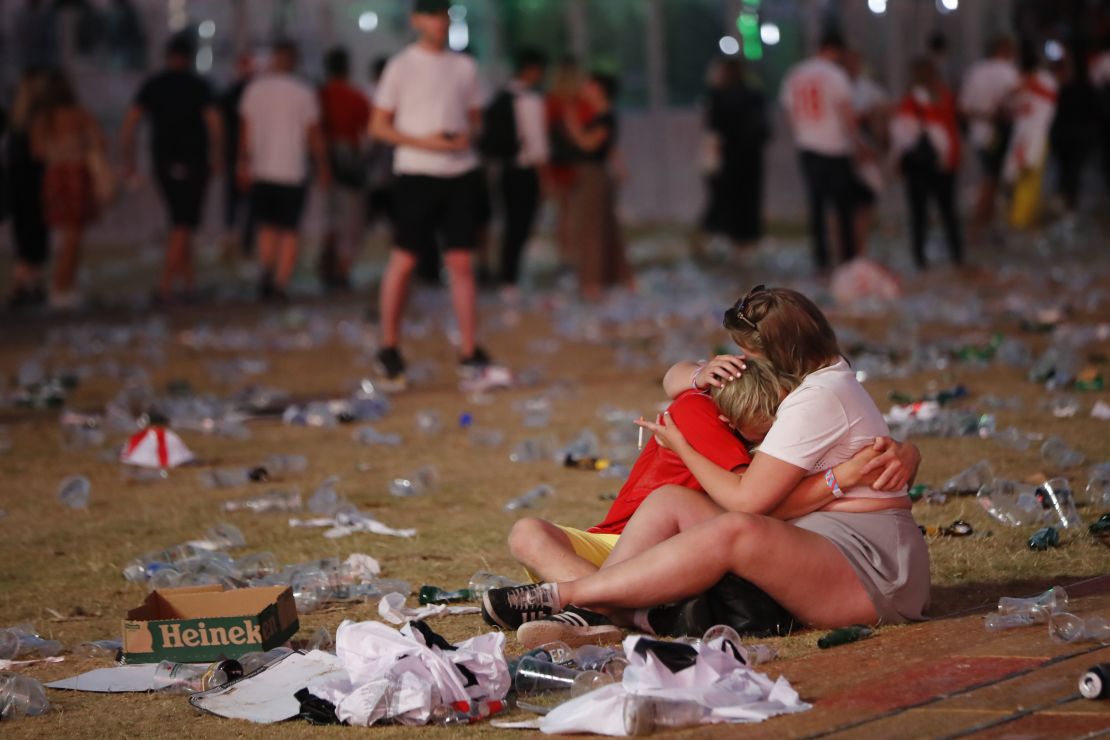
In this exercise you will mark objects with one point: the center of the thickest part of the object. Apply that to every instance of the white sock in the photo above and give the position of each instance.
(552, 590)
(640, 619)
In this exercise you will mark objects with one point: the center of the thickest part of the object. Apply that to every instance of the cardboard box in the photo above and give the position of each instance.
(201, 624)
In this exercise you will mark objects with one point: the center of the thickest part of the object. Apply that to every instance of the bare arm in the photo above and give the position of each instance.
(319, 154)
(215, 127)
(718, 371)
(381, 127)
(131, 121)
(589, 141)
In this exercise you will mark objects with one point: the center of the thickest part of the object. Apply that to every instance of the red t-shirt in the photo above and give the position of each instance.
(697, 417)
(345, 112)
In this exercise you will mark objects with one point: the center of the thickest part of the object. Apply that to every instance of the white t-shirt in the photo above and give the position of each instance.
(278, 110)
(867, 95)
(815, 93)
(430, 93)
(531, 126)
(825, 421)
(987, 88)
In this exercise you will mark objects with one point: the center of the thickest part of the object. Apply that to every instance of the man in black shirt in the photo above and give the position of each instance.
(186, 138)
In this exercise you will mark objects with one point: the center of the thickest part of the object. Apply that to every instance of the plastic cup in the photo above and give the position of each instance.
(558, 651)
(1054, 599)
(718, 637)
(1059, 497)
(595, 657)
(588, 681)
(21, 696)
(537, 676)
(1056, 452)
(73, 492)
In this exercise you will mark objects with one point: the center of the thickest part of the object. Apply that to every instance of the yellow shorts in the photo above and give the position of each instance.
(590, 546)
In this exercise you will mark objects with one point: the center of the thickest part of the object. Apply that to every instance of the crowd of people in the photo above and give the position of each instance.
(1020, 116)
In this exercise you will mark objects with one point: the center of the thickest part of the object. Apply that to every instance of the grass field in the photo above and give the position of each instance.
(55, 561)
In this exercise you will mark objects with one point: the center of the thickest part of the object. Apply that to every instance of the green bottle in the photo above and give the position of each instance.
(1044, 538)
(844, 635)
(437, 595)
(1100, 530)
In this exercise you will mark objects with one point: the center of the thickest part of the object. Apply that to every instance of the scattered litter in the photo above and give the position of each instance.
(1022, 612)
(1044, 539)
(74, 491)
(1095, 682)
(844, 635)
(529, 499)
(155, 447)
(21, 696)
(392, 608)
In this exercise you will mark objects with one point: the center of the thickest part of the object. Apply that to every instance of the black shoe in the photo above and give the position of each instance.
(685, 618)
(393, 365)
(508, 608)
(474, 364)
(266, 286)
(574, 626)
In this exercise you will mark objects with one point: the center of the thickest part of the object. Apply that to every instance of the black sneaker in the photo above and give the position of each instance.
(266, 286)
(685, 618)
(508, 608)
(574, 626)
(475, 364)
(393, 365)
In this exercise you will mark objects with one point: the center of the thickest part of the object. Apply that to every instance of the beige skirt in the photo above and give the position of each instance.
(888, 553)
(595, 234)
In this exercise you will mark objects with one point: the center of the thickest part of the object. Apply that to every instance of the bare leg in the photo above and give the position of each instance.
(268, 238)
(288, 244)
(464, 299)
(801, 570)
(546, 551)
(65, 270)
(666, 512)
(394, 293)
(178, 261)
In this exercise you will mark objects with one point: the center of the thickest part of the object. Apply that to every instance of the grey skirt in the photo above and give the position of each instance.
(888, 553)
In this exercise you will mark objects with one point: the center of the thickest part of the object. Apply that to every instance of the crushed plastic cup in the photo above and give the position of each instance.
(596, 657)
(99, 649)
(189, 678)
(1058, 499)
(970, 480)
(310, 590)
(1011, 503)
(251, 662)
(21, 696)
(644, 715)
(1056, 453)
(529, 498)
(368, 435)
(557, 652)
(419, 483)
(325, 499)
(232, 477)
(224, 536)
(1012, 438)
(485, 437)
(537, 676)
(997, 622)
(74, 491)
(279, 465)
(22, 641)
(1097, 492)
(534, 449)
(483, 581)
(1064, 627)
(1053, 600)
(721, 637)
(588, 681)
(257, 565)
(285, 500)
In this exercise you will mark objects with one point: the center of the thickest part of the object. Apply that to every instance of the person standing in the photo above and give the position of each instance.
(595, 230)
(736, 118)
(65, 137)
(1034, 107)
(237, 207)
(345, 119)
(379, 162)
(24, 188)
(984, 97)
(514, 139)
(872, 109)
(428, 106)
(926, 140)
(185, 150)
(1075, 128)
(563, 96)
(817, 97)
(280, 126)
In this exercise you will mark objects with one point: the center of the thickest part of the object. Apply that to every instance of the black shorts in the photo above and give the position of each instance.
(183, 186)
(278, 205)
(993, 155)
(434, 213)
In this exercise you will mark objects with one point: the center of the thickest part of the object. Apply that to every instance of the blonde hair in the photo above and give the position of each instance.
(755, 396)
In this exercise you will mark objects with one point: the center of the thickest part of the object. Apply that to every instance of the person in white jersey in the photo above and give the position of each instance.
(984, 101)
(858, 558)
(817, 97)
(279, 126)
(428, 106)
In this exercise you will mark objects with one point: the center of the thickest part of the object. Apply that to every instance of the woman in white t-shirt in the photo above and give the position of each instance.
(857, 556)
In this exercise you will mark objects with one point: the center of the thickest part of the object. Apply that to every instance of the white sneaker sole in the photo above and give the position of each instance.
(543, 631)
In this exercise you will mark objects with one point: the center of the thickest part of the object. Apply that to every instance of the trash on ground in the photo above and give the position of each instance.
(844, 635)
(155, 447)
(1044, 538)
(392, 608)
(21, 696)
(529, 499)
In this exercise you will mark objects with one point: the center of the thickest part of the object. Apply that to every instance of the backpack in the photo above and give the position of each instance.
(499, 138)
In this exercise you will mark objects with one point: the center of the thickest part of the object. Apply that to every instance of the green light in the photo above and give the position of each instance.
(748, 26)
(747, 21)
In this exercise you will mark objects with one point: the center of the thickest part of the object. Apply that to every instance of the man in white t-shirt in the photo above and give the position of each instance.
(817, 97)
(428, 106)
(985, 98)
(280, 126)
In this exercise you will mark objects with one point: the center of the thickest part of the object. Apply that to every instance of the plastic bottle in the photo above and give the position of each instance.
(368, 435)
(844, 635)
(437, 595)
(21, 641)
(419, 483)
(643, 715)
(1059, 455)
(187, 678)
(529, 498)
(73, 492)
(21, 696)
(271, 501)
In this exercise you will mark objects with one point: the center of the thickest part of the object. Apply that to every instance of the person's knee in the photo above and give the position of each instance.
(739, 529)
(458, 261)
(531, 539)
(402, 261)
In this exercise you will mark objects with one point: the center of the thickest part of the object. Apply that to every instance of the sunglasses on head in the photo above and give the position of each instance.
(741, 305)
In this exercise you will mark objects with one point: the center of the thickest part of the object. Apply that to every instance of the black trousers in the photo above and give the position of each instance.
(1072, 159)
(829, 181)
(520, 194)
(941, 187)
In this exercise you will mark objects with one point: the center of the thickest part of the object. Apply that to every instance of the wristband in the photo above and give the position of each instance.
(694, 377)
(830, 481)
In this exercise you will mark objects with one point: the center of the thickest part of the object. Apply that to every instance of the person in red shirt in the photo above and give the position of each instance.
(345, 116)
(926, 139)
(720, 426)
